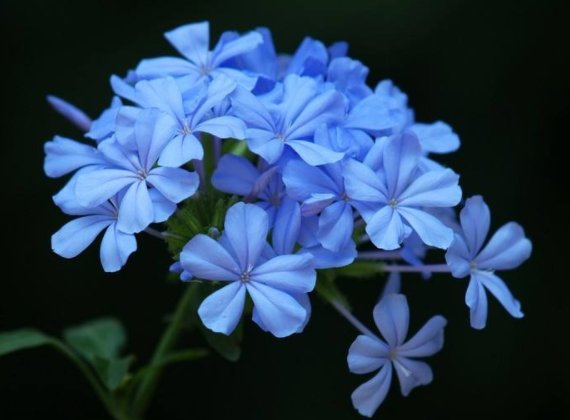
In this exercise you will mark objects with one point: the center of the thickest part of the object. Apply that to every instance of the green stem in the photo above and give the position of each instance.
(101, 392)
(167, 342)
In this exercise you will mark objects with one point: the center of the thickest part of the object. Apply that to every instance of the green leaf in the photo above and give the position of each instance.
(26, 338)
(227, 346)
(102, 337)
(112, 371)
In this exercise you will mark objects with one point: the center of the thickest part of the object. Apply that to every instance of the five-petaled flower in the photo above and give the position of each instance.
(370, 353)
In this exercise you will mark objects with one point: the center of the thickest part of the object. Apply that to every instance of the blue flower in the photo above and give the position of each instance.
(396, 194)
(192, 41)
(369, 353)
(291, 122)
(135, 173)
(103, 127)
(507, 249)
(237, 259)
(189, 113)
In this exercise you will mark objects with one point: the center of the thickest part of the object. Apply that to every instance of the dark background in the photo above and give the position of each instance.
(494, 70)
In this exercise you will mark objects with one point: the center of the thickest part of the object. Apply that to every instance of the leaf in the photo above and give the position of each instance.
(102, 337)
(26, 338)
(112, 371)
(227, 346)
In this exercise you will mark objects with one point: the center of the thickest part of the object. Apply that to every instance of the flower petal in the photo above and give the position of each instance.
(508, 248)
(223, 127)
(475, 220)
(235, 175)
(427, 341)
(65, 155)
(412, 373)
(289, 273)
(367, 354)
(499, 289)
(437, 137)
(314, 154)
(207, 259)
(431, 231)
(70, 112)
(458, 257)
(401, 157)
(72, 239)
(136, 209)
(303, 180)
(176, 184)
(192, 41)
(246, 228)
(280, 313)
(363, 184)
(286, 227)
(432, 189)
(165, 66)
(386, 229)
(95, 187)
(221, 311)
(392, 317)
(180, 150)
(476, 300)
(368, 396)
(116, 247)
(235, 47)
(336, 226)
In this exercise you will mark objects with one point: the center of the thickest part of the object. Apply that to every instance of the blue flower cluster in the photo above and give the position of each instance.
(326, 170)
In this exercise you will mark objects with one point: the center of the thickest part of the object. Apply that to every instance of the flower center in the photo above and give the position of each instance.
(393, 203)
(472, 266)
(280, 136)
(185, 129)
(142, 174)
(246, 275)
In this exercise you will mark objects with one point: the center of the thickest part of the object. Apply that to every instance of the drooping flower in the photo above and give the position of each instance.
(370, 353)
(192, 41)
(291, 122)
(237, 259)
(507, 249)
(135, 173)
(396, 194)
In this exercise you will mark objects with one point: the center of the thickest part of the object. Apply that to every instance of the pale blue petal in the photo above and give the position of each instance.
(250, 109)
(412, 373)
(386, 229)
(180, 150)
(367, 354)
(335, 226)
(65, 155)
(475, 221)
(368, 396)
(400, 158)
(96, 187)
(192, 41)
(165, 66)
(176, 184)
(314, 154)
(427, 341)
(238, 46)
(136, 209)
(235, 175)
(303, 180)
(246, 228)
(324, 258)
(221, 311)
(393, 284)
(72, 239)
(123, 89)
(325, 108)
(163, 208)
(279, 312)
(218, 89)
(458, 258)
(392, 316)
(207, 259)
(124, 126)
(437, 137)
(476, 300)
(264, 144)
(153, 130)
(432, 189)
(508, 248)
(223, 127)
(163, 94)
(499, 289)
(288, 273)
(286, 227)
(362, 184)
(116, 247)
(70, 112)
(373, 114)
(317, 203)
(431, 231)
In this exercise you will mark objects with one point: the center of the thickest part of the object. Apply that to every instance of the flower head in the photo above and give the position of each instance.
(368, 354)
(507, 249)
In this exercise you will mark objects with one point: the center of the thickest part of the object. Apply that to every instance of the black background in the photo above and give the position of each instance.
(494, 70)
